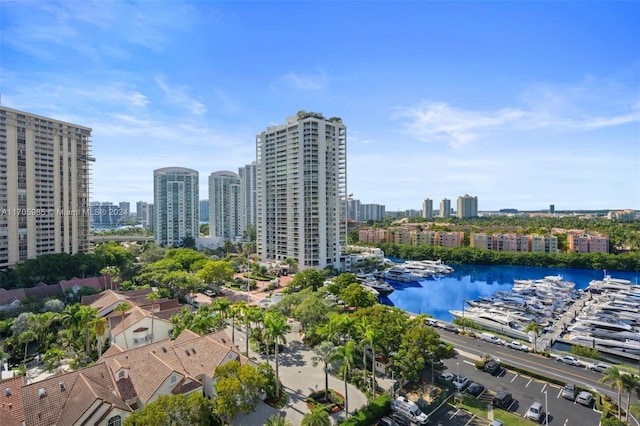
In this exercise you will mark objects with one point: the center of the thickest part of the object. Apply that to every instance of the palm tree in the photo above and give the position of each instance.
(344, 356)
(277, 420)
(322, 354)
(153, 297)
(236, 309)
(222, 305)
(99, 326)
(373, 336)
(85, 315)
(613, 376)
(535, 329)
(277, 327)
(123, 308)
(25, 338)
(362, 327)
(316, 417)
(630, 383)
(252, 314)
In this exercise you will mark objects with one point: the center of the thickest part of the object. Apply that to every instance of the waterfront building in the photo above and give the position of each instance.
(353, 209)
(445, 208)
(370, 235)
(175, 194)
(145, 215)
(44, 186)
(372, 212)
(224, 205)
(449, 239)
(427, 208)
(301, 185)
(125, 209)
(467, 206)
(204, 210)
(247, 196)
(580, 242)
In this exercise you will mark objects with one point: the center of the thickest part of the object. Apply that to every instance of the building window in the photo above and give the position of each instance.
(115, 421)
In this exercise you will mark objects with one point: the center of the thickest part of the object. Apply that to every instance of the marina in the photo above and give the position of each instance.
(504, 299)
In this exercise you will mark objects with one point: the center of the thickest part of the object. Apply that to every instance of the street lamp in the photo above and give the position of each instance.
(546, 408)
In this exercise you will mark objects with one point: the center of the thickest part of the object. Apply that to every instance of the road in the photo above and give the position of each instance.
(525, 389)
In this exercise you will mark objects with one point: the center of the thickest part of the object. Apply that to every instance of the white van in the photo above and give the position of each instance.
(410, 410)
(488, 337)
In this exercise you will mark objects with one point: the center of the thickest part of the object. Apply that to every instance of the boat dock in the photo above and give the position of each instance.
(558, 328)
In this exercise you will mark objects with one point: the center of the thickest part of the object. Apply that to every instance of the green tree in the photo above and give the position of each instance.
(114, 255)
(534, 328)
(216, 272)
(99, 326)
(312, 278)
(318, 416)
(176, 410)
(122, 309)
(236, 311)
(238, 389)
(25, 338)
(357, 297)
(53, 358)
(322, 355)
(343, 357)
(85, 315)
(277, 329)
(613, 377)
(277, 420)
(629, 383)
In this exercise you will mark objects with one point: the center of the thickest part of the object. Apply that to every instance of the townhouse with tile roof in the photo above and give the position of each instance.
(121, 381)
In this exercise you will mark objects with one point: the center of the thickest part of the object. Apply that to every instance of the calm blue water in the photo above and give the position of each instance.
(437, 297)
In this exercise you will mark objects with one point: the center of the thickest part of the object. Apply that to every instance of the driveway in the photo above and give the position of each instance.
(299, 378)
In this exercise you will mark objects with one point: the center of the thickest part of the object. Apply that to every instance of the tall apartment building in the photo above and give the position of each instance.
(125, 208)
(301, 185)
(427, 208)
(445, 208)
(467, 206)
(175, 195)
(224, 205)
(247, 196)
(145, 214)
(204, 210)
(44, 186)
(372, 212)
(353, 209)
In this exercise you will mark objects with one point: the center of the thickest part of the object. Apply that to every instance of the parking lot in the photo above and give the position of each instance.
(525, 391)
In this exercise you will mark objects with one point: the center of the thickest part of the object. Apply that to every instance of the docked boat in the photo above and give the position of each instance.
(502, 323)
(627, 346)
(380, 286)
(400, 274)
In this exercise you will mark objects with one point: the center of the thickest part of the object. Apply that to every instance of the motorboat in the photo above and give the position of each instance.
(400, 274)
(379, 285)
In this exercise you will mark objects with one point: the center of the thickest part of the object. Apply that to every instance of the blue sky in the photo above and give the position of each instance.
(522, 104)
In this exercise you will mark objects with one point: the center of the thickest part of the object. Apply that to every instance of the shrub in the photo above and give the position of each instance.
(370, 414)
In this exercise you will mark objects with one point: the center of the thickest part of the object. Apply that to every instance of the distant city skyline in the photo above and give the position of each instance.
(521, 104)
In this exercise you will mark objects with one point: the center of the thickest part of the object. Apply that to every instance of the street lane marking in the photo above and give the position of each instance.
(559, 394)
(469, 362)
(528, 383)
(514, 377)
(543, 388)
(454, 414)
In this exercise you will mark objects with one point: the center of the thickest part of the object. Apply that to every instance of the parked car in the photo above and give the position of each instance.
(475, 389)
(568, 359)
(447, 376)
(584, 398)
(488, 337)
(492, 367)
(518, 346)
(502, 399)
(450, 328)
(599, 367)
(569, 391)
(461, 382)
(386, 421)
(400, 419)
(535, 412)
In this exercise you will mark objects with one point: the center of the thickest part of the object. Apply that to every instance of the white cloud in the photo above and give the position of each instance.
(178, 95)
(306, 82)
(437, 121)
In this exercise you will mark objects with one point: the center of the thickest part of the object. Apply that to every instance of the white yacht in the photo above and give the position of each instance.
(400, 274)
(628, 346)
(502, 323)
(379, 285)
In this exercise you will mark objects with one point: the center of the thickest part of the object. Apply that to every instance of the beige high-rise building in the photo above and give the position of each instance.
(44, 186)
(301, 185)
(467, 206)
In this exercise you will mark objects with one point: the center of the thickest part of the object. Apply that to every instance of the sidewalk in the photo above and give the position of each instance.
(299, 378)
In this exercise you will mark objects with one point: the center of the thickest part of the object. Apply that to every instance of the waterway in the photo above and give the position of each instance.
(437, 296)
